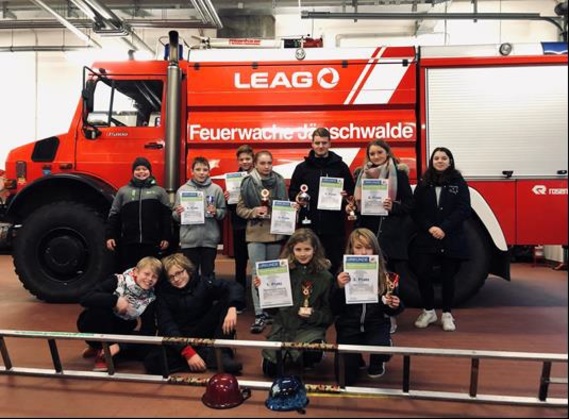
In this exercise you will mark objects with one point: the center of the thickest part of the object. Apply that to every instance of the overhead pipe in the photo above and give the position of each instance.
(88, 24)
(216, 18)
(138, 43)
(306, 14)
(87, 11)
(205, 12)
(211, 12)
(199, 10)
(118, 24)
(65, 23)
(44, 48)
(103, 11)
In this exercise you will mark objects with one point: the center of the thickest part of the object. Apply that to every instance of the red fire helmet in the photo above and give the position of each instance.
(223, 392)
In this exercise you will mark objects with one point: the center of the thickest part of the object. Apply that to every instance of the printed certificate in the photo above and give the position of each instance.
(374, 192)
(233, 185)
(363, 285)
(330, 194)
(194, 209)
(283, 217)
(275, 289)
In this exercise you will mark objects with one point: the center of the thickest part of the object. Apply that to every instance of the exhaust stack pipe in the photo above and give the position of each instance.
(172, 147)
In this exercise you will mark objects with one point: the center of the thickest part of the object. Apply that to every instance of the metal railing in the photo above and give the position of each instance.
(540, 398)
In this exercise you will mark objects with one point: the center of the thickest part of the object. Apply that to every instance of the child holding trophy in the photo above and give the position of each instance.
(262, 186)
(365, 323)
(199, 232)
(308, 319)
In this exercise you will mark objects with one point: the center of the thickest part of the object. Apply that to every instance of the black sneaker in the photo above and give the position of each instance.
(230, 365)
(309, 366)
(268, 319)
(376, 371)
(259, 324)
(269, 368)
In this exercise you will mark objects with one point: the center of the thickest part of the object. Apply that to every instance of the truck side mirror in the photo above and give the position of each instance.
(91, 132)
(87, 95)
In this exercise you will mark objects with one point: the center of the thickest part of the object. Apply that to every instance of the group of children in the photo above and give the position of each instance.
(192, 302)
(188, 304)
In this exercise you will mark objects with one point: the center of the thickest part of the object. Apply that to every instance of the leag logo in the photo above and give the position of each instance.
(327, 78)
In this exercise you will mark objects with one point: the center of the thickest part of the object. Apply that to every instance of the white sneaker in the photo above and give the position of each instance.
(393, 327)
(425, 318)
(448, 322)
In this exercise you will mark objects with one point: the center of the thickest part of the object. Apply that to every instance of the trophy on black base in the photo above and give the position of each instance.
(352, 204)
(306, 310)
(265, 202)
(304, 200)
(209, 206)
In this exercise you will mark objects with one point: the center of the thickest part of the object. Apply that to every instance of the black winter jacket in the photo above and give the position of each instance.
(140, 215)
(393, 231)
(103, 296)
(309, 172)
(357, 318)
(180, 309)
(449, 214)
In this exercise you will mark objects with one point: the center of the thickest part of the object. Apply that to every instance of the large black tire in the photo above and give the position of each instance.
(469, 279)
(59, 252)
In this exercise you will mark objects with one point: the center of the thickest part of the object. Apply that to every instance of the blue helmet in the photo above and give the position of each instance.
(287, 393)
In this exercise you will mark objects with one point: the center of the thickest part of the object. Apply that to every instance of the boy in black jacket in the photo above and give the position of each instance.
(321, 162)
(140, 220)
(115, 306)
(197, 307)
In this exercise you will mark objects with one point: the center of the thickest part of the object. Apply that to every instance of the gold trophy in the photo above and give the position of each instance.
(391, 280)
(306, 310)
(209, 206)
(304, 201)
(265, 202)
(352, 204)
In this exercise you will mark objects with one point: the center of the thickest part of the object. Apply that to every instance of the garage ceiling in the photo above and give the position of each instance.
(123, 18)
(39, 14)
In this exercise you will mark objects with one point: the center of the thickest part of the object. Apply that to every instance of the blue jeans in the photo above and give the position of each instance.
(260, 252)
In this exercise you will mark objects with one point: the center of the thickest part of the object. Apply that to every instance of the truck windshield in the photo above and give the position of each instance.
(126, 103)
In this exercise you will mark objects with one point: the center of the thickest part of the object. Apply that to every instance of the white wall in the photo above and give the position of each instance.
(432, 32)
(40, 90)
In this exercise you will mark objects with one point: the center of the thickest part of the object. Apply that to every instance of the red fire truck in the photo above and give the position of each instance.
(501, 109)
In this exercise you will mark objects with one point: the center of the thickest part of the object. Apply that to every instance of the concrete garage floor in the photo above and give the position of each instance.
(527, 315)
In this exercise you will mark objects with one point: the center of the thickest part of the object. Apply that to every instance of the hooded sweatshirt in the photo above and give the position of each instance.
(207, 234)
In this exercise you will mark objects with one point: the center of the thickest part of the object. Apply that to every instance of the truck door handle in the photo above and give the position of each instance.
(154, 145)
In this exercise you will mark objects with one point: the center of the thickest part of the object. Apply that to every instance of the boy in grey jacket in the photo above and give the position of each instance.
(199, 236)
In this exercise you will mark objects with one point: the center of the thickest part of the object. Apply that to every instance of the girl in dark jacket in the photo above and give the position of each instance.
(392, 230)
(308, 319)
(442, 204)
(366, 323)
